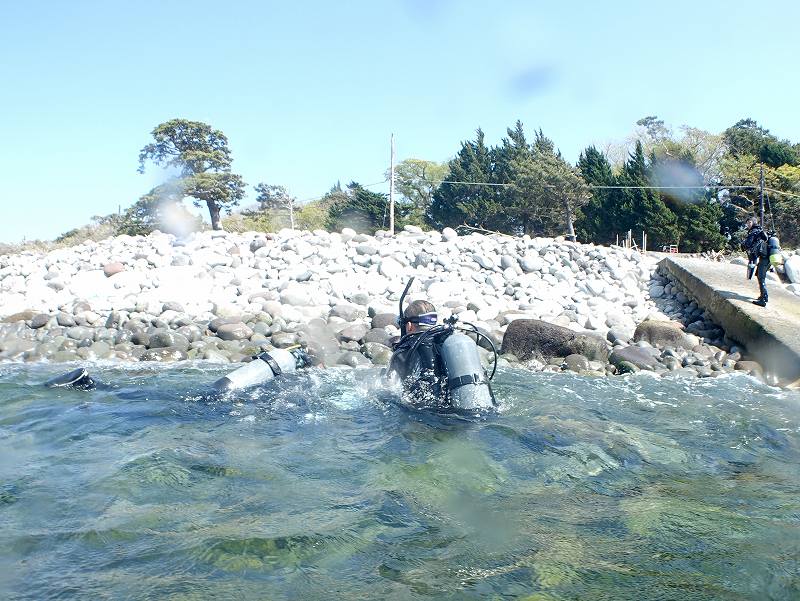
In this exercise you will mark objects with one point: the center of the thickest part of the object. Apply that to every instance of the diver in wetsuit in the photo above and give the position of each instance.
(415, 359)
(261, 369)
(439, 365)
(755, 244)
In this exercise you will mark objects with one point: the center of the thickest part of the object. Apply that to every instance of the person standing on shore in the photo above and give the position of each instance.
(755, 244)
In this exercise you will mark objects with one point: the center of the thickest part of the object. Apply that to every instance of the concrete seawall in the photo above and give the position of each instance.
(771, 334)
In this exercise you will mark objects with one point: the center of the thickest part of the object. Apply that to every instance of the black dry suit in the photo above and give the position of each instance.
(755, 245)
(418, 364)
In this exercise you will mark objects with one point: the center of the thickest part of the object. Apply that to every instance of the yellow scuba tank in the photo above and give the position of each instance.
(774, 251)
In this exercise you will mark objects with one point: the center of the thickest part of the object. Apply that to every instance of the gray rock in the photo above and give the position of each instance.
(140, 338)
(378, 353)
(172, 306)
(64, 356)
(353, 333)
(164, 355)
(353, 359)
(381, 320)
(576, 363)
(378, 335)
(217, 323)
(39, 321)
(662, 334)
(234, 331)
(65, 320)
(80, 333)
(533, 338)
(26, 315)
(639, 357)
(166, 339)
(284, 339)
(348, 312)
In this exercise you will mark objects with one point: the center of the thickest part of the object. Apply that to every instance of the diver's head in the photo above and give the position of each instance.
(420, 315)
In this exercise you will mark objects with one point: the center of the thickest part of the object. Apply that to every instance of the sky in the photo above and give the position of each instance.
(308, 93)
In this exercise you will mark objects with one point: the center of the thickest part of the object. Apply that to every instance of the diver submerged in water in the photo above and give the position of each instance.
(264, 367)
(438, 365)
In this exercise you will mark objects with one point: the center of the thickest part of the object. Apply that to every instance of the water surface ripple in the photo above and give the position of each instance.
(324, 488)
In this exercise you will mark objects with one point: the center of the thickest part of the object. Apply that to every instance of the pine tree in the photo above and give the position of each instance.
(643, 209)
(360, 209)
(467, 204)
(601, 211)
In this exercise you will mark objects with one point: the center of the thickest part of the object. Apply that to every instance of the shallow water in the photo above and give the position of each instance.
(324, 488)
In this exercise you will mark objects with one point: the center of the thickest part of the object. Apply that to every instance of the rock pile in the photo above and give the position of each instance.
(223, 297)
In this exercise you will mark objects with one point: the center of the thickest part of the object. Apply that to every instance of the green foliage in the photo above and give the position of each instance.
(311, 216)
(160, 209)
(99, 228)
(278, 202)
(360, 209)
(747, 138)
(547, 191)
(468, 204)
(699, 226)
(600, 211)
(248, 221)
(643, 209)
(202, 157)
(417, 180)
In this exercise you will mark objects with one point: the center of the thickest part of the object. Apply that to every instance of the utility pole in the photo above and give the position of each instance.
(391, 189)
(761, 195)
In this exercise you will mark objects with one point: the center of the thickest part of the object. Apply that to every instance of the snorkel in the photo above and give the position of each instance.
(401, 320)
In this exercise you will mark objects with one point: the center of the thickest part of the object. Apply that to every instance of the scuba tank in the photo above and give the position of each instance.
(774, 250)
(263, 368)
(460, 381)
(466, 380)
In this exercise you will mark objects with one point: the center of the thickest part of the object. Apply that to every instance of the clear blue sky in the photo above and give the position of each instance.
(308, 92)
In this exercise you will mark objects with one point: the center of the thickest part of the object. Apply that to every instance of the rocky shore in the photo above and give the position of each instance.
(548, 304)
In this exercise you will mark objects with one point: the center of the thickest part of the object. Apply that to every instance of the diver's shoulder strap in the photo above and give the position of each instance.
(273, 365)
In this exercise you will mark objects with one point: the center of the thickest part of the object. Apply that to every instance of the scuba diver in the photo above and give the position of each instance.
(264, 367)
(438, 365)
(762, 252)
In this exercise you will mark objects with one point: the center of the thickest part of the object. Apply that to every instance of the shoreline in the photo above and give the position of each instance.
(223, 297)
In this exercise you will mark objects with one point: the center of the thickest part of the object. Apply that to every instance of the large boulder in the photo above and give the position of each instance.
(540, 340)
(792, 268)
(633, 358)
(663, 334)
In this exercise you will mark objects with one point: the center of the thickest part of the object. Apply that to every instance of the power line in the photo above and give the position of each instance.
(701, 187)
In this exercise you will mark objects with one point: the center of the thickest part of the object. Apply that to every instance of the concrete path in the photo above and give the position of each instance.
(771, 334)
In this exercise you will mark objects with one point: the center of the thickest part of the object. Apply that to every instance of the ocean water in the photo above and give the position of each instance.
(323, 487)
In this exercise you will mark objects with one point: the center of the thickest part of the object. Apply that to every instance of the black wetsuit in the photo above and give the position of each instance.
(417, 362)
(756, 247)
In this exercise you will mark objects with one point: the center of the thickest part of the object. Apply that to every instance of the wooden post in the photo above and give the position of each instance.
(391, 188)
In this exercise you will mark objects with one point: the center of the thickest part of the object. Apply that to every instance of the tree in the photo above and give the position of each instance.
(159, 209)
(600, 213)
(360, 209)
(642, 208)
(202, 157)
(276, 199)
(548, 191)
(417, 180)
(468, 203)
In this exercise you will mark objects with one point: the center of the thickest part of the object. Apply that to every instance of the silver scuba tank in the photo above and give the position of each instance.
(261, 369)
(466, 378)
